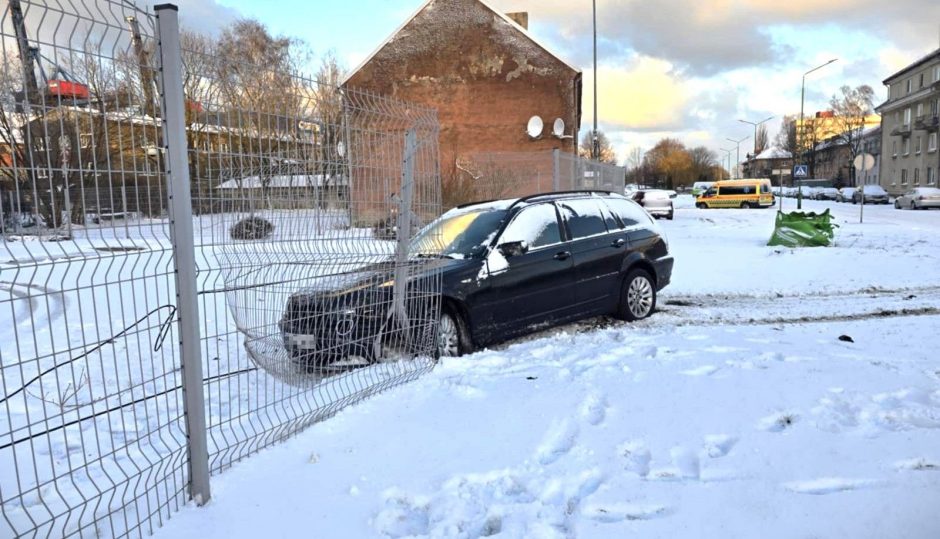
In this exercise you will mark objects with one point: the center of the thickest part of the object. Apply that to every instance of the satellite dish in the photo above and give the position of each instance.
(534, 129)
(558, 128)
(341, 149)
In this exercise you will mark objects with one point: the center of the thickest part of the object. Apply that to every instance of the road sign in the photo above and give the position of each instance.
(800, 171)
(864, 161)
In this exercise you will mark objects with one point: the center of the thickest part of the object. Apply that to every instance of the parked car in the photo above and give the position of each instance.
(919, 198)
(505, 268)
(826, 193)
(655, 201)
(874, 194)
(846, 194)
(700, 187)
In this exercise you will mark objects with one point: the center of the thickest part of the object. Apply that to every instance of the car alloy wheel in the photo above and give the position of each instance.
(448, 336)
(640, 296)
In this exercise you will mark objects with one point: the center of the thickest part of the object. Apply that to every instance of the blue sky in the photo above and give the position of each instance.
(682, 68)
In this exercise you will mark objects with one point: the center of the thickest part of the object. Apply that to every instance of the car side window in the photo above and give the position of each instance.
(536, 225)
(630, 214)
(584, 218)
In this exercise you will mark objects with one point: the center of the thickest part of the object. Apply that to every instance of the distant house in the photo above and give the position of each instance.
(486, 76)
(771, 163)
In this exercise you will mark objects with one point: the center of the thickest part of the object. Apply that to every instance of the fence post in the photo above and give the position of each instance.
(184, 253)
(556, 179)
(404, 229)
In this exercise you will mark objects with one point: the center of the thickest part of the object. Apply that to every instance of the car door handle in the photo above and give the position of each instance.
(563, 255)
(619, 242)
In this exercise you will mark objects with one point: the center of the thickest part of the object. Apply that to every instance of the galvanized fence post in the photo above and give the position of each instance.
(404, 228)
(184, 253)
(556, 172)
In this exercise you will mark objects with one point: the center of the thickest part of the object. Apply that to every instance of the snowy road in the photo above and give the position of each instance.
(736, 411)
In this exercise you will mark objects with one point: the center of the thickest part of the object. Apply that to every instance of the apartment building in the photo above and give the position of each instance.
(910, 126)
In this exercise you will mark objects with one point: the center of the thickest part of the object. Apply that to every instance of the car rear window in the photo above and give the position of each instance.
(584, 218)
(630, 214)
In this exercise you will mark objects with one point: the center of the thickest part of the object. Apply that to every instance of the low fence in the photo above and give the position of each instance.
(494, 175)
(191, 274)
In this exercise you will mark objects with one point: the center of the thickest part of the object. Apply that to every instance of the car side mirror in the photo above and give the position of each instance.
(513, 248)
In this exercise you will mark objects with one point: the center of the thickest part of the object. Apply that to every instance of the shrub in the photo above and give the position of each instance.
(251, 228)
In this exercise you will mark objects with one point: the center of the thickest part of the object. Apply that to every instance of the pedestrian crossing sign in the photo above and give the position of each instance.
(800, 171)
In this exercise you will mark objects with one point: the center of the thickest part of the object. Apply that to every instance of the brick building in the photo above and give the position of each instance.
(484, 74)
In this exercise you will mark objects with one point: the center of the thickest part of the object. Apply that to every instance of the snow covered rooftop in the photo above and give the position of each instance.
(774, 153)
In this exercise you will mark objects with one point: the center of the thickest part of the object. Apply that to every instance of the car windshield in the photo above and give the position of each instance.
(461, 235)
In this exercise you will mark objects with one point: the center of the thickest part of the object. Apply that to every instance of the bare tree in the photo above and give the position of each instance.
(850, 109)
(761, 140)
(606, 150)
(703, 162)
(670, 162)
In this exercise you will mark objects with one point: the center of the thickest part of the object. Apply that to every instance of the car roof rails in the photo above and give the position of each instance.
(562, 194)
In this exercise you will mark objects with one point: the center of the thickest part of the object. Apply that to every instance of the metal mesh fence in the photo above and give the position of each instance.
(496, 175)
(311, 291)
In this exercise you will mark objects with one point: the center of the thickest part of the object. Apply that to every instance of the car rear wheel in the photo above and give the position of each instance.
(746, 206)
(897, 205)
(701, 205)
(638, 296)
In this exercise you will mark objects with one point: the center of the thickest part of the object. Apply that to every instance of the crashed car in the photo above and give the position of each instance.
(490, 271)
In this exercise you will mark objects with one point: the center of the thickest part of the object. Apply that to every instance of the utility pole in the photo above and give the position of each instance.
(595, 149)
(799, 132)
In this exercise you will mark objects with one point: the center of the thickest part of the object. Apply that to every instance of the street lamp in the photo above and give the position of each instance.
(737, 145)
(799, 132)
(756, 125)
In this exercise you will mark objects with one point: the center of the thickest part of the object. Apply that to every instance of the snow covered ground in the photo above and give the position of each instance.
(777, 393)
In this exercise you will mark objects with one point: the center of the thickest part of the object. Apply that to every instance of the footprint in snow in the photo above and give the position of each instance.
(829, 485)
(558, 441)
(618, 512)
(704, 370)
(594, 409)
(919, 464)
(718, 445)
(637, 457)
(778, 422)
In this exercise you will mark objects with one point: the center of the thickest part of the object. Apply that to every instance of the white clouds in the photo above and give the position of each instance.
(643, 94)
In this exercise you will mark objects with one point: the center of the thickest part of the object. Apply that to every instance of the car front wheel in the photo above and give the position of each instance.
(453, 339)
(638, 297)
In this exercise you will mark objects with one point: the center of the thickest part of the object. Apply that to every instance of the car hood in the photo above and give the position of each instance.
(374, 275)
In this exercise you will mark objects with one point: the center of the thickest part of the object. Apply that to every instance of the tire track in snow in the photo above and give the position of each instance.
(35, 314)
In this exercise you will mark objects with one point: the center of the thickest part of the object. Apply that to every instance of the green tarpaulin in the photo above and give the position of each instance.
(803, 229)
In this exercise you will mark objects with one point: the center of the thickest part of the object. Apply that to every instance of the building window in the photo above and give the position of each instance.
(920, 110)
(907, 146)
(932, 142)
(936, 73)
(894, 148)
(907, 117)
(916, 176)
(930, 176)
(921, 80)
(917, 146)
(893, 177)
(908, 85)
(903, 176)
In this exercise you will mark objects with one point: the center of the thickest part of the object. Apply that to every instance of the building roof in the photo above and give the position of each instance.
(485, 4)
(917, 63)
(773, 153)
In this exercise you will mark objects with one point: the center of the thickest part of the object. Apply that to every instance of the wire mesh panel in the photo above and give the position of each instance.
(91, 435)
(318, 282)
(313, 294)
(497, 175)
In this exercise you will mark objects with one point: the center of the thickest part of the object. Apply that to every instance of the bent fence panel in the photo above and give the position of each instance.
(306, 199)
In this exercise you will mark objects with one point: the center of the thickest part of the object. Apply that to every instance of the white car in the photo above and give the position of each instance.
(919, 198)
(846, 194)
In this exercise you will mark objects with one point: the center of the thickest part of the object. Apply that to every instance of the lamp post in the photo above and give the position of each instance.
(728, 157)
(756, 125)
(737, 145)
(595, 148)
(799, 132)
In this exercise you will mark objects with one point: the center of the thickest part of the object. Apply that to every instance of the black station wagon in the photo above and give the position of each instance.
(507, 267)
